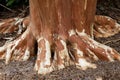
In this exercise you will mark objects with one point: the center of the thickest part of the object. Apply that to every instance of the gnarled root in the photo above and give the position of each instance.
(13, 24)
(105, 26)
(20, 49)
(78, 49)
(58, 50)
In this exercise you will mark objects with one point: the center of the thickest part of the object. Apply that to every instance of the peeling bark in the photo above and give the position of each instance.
(105, 26)
(63, 32)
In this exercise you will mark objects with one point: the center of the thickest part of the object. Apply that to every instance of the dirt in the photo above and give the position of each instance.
(17, 70)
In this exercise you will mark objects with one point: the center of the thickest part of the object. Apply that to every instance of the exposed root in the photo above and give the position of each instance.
(76, 48)
(13, 24)
(79, 49)
(103, 52)
(43, 63)
(19, 49)
(61, 57)
(105, 26)
(80, 53)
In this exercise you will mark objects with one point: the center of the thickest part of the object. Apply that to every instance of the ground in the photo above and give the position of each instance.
(16, 70)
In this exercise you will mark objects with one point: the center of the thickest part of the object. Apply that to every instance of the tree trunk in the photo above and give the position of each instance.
(63, 31)
(76, 13)
(58, 20)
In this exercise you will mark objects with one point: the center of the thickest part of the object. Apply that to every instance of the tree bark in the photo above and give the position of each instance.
(62, 31)
(57, 19)
(76, 13)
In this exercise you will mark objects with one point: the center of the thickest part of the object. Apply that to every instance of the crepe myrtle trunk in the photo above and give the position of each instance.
(62, 32)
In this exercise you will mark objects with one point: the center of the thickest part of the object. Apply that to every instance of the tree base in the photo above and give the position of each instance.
(57, 52)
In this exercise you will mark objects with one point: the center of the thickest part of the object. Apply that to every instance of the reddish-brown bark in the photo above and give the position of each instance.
(105, 26)
(63, 32)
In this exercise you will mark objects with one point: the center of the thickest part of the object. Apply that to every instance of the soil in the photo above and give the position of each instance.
(17, 70)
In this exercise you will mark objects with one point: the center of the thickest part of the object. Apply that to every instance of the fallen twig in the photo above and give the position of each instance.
(7, 8)
(111, 41)
(23, 11)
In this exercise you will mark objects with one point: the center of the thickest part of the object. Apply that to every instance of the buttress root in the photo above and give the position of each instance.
(105, 26)
(57, 52)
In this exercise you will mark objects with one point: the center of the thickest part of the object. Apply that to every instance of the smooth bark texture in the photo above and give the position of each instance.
(62, 31)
